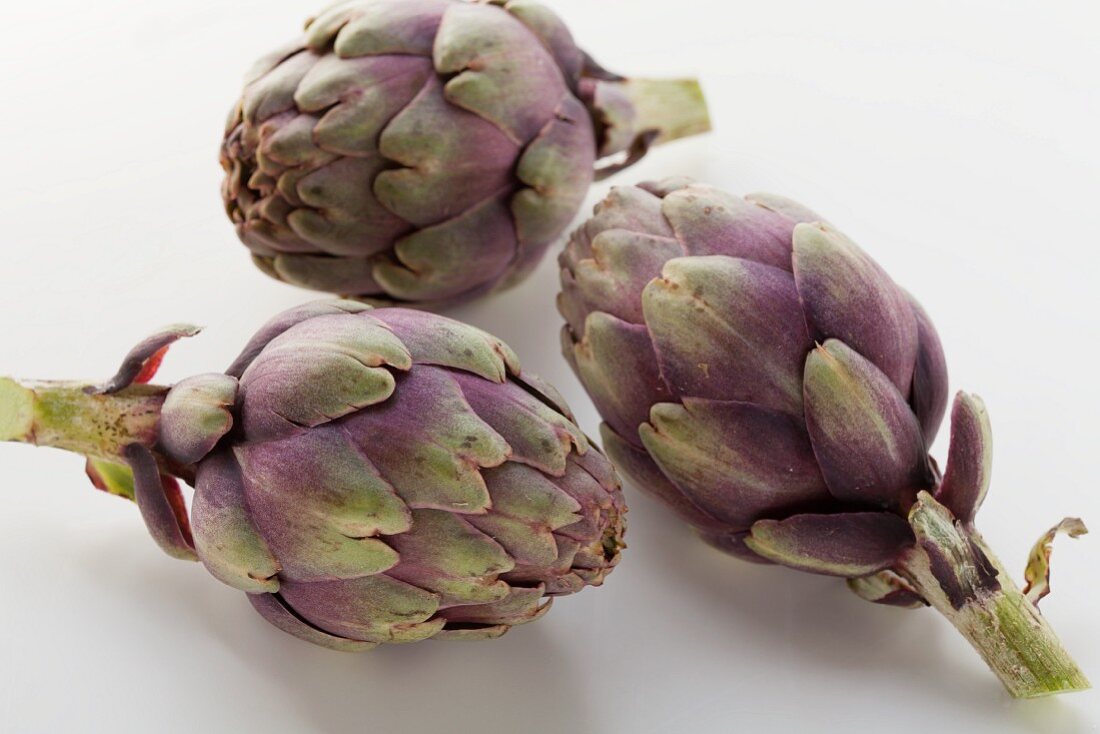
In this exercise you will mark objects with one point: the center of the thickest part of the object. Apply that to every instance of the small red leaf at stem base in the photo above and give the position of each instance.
(150, 367)
(95, 476)
(114, 479)
(179, 507)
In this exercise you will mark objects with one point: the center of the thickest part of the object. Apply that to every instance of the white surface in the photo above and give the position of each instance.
(955, 140)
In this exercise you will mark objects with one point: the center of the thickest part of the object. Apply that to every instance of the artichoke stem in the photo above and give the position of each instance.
(957, 574)
(674, 108)
(73, 417)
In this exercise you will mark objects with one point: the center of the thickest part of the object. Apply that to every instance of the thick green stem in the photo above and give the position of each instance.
(116, 426)
(633, 115)
(674, 108)
(72, 417)
(954, 571)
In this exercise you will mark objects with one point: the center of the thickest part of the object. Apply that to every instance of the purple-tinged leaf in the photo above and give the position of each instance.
(161, 504)
(851, 544)
(446, 545)
(438, 179)
(538, 435)
(848, 296)
(557, 169)
(321, 505)
(969, 458)
(792, 210)
(196, 414)
(452, 257)
(728, 329)
(711, 222)
(283, 322)
(226, 538)
(522, 605)
(434, 444)
(318, 371)
(736, 461)
(141, 363)
(929, 394)
(479, 49)
(622, 263)
(616, 363)
(865, 436)
(390, 27)
(373, 608)
(631, 208)
(432, 339)
(275, 611)
(643, 473)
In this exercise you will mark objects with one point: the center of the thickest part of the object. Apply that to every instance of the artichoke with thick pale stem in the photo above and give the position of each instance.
(429, 151)
(366, 476)
(765, 378)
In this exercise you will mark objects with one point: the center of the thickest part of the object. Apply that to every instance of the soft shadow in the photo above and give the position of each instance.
(816, 625)
(521, 682)
(822, 629)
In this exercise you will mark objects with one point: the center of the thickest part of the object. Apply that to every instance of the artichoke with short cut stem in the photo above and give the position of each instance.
(365, 476)
(429, 151)
(766, 379)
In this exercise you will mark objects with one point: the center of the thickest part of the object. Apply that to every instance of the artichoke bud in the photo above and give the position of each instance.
(430, 151)
(365, 476)
(767, 380)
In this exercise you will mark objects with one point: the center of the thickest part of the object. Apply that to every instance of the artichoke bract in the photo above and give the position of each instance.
(365, 476)
(767, 380)
(429, 151)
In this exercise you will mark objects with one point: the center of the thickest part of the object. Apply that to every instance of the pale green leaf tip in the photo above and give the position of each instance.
(117, 479)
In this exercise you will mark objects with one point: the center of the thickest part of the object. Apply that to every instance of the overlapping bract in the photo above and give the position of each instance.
(763, 376)
(389, 476)
(420, 151)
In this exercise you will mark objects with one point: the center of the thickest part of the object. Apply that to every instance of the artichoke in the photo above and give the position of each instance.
(365, 476)
(429, 151)
(768, 381)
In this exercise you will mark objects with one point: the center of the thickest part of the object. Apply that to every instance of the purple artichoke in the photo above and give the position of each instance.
(768, 381)
(429, 151)
(365, 476)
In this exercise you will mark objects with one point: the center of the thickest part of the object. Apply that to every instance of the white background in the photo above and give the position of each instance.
(957, 141)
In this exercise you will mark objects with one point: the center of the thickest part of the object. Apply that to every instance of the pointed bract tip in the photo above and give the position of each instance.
(16, 411)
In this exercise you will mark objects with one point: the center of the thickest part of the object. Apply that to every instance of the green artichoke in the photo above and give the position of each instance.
(429, 151)
(768, 381)
(364, 476)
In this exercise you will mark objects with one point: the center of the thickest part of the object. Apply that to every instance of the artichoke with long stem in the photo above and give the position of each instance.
(429, 151)
(365, 476)
(767, 380)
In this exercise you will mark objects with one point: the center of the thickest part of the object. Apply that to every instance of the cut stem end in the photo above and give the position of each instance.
(16, 411)
(953, 569)
(674, 108)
